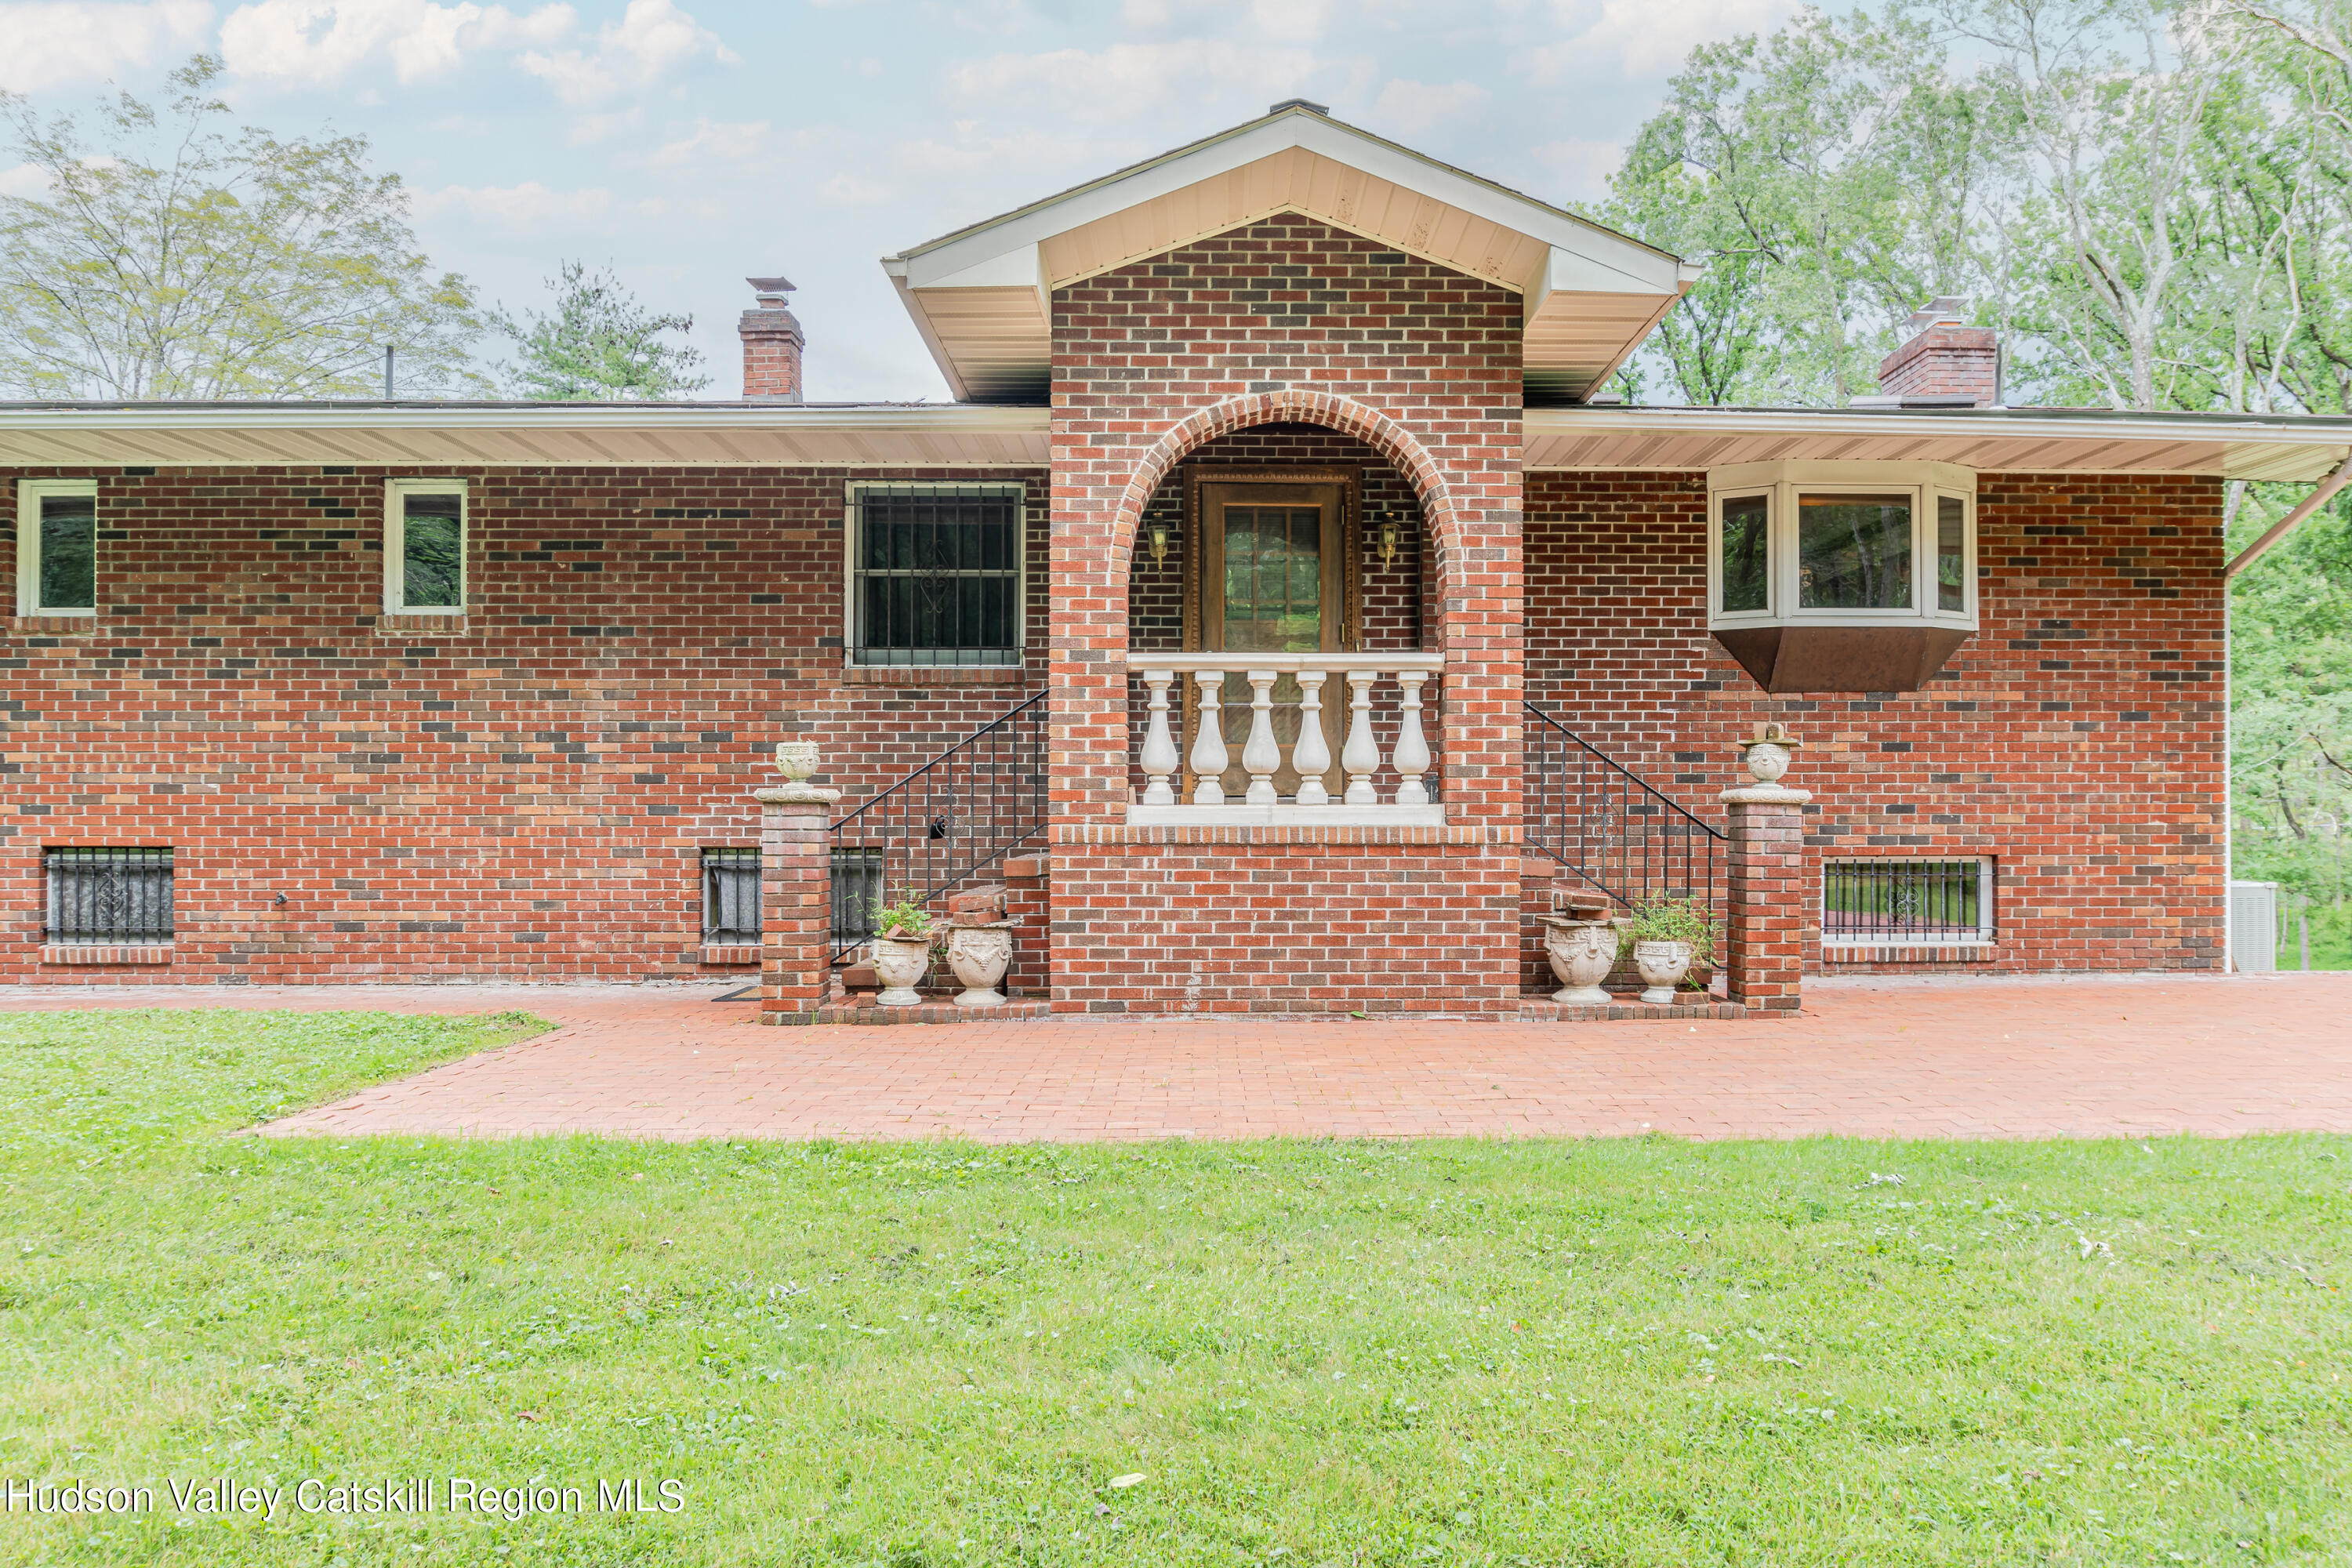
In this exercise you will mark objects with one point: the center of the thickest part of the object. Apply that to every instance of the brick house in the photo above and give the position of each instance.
(1282, 611)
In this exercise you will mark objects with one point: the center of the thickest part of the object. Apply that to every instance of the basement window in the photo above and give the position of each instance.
(1886, 903)
(106, 896)
(57, 547)
(731, 897)
(424, 547)
(936, 574)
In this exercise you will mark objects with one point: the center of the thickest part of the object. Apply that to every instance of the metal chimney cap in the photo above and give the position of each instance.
(1307, 104)
(1943, 311)
(764, 286)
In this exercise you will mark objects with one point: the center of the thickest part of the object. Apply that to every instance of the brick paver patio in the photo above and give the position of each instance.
(1904, 1058)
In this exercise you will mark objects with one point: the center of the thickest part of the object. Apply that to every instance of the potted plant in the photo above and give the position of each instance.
(902, 948)
(1667, 936)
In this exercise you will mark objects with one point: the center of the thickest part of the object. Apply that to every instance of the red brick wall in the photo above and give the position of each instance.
(1283, 323)
(526, 798)
(1290, 921)
(2077, 737)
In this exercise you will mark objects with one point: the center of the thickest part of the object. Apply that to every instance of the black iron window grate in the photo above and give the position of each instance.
(857, 884)
(937, 573)
(1907, 903)
(107, 895)
(730, 896)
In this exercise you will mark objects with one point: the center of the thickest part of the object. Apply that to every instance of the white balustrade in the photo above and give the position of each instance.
(1262, 756)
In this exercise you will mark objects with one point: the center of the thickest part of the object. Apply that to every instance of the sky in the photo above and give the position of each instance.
(692, 144)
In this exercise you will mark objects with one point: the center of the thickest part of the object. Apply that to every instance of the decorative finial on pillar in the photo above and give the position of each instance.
(1766, 755)
(798, 761)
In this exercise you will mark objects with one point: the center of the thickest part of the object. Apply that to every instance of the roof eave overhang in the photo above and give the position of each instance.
(2010, 440)
(558, 436)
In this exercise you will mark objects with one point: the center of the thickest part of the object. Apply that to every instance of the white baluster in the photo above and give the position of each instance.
(1311, 755)
(1411, 746)
(1260, 755)
(1209, 745)
(1360, 756)
(1159, 747)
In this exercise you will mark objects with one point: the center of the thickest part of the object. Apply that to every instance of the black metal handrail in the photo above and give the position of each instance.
(954, 816)
(1611, 826)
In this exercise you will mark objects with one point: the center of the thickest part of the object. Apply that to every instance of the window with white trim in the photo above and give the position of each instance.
(1885, 901)
(936, 574)
(57, 547)
(1842, 545)
(424, 547)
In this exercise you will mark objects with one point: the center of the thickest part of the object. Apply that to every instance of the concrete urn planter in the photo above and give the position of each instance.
(979, 956)
(1662, 965)
(1581, 954)
(901, 962)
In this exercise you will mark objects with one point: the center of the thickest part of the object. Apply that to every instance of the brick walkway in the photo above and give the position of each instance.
(1907, 1059)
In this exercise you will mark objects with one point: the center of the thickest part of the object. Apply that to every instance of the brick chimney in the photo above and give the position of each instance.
(772, 344)
(1943, 364)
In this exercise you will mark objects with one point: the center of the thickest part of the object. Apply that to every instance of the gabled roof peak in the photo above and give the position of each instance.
(982, 296)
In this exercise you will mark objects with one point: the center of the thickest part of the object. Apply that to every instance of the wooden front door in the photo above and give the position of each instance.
(1273, 576)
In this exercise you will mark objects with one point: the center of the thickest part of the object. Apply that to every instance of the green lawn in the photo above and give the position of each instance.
(1629, 1351)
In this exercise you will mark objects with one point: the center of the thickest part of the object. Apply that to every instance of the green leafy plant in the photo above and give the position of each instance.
(906, 920)
(1672, 920)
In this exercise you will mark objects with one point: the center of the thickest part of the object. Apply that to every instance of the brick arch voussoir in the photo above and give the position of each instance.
(1344, 415)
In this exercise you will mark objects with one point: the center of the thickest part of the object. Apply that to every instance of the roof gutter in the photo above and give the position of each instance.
(2288, 525)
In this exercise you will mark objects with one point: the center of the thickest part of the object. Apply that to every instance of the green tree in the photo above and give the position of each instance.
(176, 256)
(597, 345)
(1817, 176)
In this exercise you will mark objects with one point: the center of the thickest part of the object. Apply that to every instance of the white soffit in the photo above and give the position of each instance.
(2020, 440)
(983, 297)
(491, 435)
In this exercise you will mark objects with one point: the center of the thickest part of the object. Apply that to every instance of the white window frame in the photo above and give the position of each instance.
(395, 545)
(1781, 483)
(29, 495)
(853, 519)
(1988, 932)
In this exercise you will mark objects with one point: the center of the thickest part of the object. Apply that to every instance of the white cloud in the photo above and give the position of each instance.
(29, 180)
(1204, 84)
(303, 42)
(1644, 38)
(711, 146)
(1581, 167)
(1406, 109)
(527, 208)
(1281, 21)
(57, 44)
(652, 39)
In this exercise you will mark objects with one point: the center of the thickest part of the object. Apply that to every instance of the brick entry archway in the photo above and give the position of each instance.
(1286, 321)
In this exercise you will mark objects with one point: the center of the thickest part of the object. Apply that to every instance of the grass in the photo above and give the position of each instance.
(1620, 1351)
(2329, 927)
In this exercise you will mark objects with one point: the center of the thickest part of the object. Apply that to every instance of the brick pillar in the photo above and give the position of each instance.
(1028, 905)
(1765, 902)
(795, 895)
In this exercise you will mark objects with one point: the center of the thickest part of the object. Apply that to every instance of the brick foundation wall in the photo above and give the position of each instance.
(2077, 738)
(525, 796)
(1287, 920)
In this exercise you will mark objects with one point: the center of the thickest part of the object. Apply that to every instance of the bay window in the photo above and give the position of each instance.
(1842, 576)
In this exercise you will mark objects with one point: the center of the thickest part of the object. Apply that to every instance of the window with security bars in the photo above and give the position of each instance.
(107, 895)
(730, 896)
(1907, 903)
(856, 888)
(935, 573)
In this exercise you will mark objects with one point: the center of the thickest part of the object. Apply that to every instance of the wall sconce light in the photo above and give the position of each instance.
(1389, 535)
(1158, 537)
